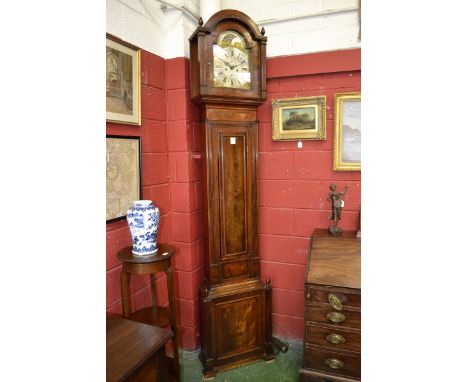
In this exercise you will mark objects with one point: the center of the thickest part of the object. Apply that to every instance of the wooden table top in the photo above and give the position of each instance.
(334, 260)
(129, 344)
(164, 251)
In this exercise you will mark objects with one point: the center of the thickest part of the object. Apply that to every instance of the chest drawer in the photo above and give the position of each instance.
(327, 315)
(332, 362)
(321, 294)
(333, 338)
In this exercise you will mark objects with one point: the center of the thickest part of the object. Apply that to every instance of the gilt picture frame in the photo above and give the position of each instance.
(123, 82)
(299, 118)
(123, 175)
(347, 140)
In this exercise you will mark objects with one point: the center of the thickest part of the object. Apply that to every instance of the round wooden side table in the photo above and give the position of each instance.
(154, 315)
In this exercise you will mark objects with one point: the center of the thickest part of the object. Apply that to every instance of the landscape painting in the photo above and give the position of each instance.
(299, 118)
(122, 83)
(347, 155)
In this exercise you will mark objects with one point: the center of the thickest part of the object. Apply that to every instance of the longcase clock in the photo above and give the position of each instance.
(228, 80)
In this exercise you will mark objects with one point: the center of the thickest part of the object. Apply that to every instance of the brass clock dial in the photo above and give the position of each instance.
(231, 61)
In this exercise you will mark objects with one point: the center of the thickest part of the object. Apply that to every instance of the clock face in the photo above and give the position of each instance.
(231, 61)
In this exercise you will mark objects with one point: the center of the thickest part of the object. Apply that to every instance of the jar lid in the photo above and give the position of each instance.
(143, 203)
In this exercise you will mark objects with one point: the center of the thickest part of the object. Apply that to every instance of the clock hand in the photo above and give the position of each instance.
(232, 66)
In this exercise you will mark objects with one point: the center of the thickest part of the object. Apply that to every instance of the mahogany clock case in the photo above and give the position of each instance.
(235, 303)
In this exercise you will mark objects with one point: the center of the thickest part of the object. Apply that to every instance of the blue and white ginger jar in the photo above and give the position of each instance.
(143, 222)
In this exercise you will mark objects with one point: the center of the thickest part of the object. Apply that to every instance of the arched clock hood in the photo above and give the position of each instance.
(203, 39)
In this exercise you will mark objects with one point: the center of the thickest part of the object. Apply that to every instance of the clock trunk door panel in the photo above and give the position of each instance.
(233, 196)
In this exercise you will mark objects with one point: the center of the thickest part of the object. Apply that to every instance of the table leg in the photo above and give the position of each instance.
(124, 279)
(153, 290)
(172, 308)
(161, 364)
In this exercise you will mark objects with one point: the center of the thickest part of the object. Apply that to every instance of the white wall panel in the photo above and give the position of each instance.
(144, 27)
(306, 6)
(336, 4)
(273, 12)
(139, 22)
(305, 34)
(114, 18)
(280, 44)
(174, 34)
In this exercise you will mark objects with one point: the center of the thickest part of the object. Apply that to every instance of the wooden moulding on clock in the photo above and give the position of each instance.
(216, 112)
(201, 56)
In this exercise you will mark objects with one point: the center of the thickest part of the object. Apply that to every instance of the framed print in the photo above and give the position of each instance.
(347, 145)
(299, 118)
(123, 175)
(122, 82)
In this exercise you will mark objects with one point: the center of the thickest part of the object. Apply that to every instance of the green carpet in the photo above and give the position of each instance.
(285, 368)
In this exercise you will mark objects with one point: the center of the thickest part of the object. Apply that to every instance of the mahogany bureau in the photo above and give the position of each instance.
(332, 337)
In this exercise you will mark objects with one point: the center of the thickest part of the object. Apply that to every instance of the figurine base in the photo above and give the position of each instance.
(335, 230)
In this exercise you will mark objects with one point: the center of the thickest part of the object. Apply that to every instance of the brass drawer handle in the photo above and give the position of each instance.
(336, 317)
(336, 339)
(335, 301)
(334, 363)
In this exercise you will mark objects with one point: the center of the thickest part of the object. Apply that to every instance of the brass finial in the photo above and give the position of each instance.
(263, 31)
(200, 21)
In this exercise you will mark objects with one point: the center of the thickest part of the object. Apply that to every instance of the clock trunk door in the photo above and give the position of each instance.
(234, 196)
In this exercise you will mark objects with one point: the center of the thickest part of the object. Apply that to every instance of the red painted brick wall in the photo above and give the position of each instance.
(185, 185)
(155, 180)
(171, 176)
(294, 182)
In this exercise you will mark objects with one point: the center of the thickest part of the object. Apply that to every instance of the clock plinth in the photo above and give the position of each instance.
(228, 79)
(236, 325)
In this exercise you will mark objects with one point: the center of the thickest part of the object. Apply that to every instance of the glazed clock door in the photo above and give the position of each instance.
(232, 147)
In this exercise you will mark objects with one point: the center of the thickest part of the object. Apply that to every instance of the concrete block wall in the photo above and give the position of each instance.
(307, 34)
(166, 32)
(144, 23)
(140, 22)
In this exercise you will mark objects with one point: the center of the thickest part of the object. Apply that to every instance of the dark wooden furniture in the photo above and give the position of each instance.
(236, 304)
(154, 315)
(135, 352)
(332, 338)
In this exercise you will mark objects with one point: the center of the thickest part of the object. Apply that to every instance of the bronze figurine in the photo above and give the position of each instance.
(336, 204)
